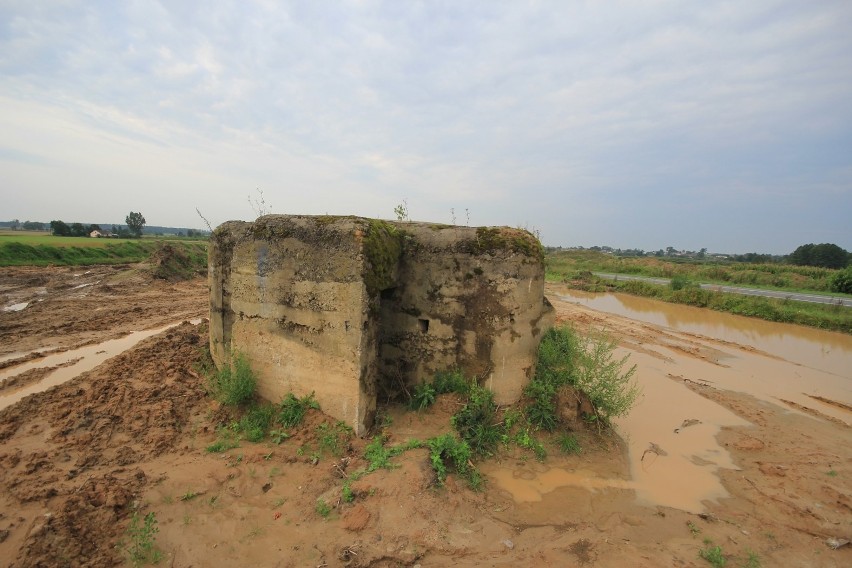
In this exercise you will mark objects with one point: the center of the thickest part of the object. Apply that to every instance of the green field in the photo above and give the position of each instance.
(26, 248)
(36, 238)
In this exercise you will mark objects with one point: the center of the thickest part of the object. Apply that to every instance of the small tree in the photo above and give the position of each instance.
(135, 222)
(401, 211)
(78, 230)
(60, 229)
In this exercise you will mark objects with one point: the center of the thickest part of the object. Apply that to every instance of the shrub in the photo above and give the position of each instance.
(680, 281)
(842, 281)
(234, 384)
(586, 363)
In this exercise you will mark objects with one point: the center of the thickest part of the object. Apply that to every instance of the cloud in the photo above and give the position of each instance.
(591, 121)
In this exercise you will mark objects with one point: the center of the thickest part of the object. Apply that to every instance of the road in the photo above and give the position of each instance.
(797, 296)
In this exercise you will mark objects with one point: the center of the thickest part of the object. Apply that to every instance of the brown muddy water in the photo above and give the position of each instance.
(826, 351)
(671, 432)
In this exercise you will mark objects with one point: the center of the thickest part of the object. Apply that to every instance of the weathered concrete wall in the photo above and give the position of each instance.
(335, 305)
(471, 298)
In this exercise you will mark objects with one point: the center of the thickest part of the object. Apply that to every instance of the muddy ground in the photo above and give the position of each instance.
(130, 435)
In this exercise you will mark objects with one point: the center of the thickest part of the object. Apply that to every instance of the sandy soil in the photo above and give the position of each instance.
(77, 459)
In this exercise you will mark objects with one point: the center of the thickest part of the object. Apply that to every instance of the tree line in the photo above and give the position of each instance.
(825, 255)
(135, 223)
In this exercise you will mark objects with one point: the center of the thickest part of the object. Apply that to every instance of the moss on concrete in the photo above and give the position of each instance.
(382, 247)
(267, 229)
(493, 239)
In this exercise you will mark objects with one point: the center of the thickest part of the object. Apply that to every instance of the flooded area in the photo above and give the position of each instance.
(827, 351)
(672, 432)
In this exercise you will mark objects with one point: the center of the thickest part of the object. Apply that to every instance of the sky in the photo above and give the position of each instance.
(724, 125)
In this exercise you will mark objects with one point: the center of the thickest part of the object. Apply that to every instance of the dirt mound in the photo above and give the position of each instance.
(174, 264)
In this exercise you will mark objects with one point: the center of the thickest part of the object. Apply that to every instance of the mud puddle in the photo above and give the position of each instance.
(69, 364)
(671, 436)
(528, 485)
(673, 452)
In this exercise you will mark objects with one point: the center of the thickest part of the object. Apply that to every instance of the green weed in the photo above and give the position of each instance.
(234, 384)
(752, 561)
(713, 554)
(423, 397)
(142, 534)
(378, 456)
(447, 450)
(477, 422)
(292, 410)
(255, 423)
(693, 528)
(227, 440)
(323, 508)
(541, 412)
(334, 438)
(568, 444)
(278, 436)
(451, 381)
(526, 440)
(188, 496)
(346, 493)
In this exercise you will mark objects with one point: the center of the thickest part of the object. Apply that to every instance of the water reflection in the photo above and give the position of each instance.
(84, 359)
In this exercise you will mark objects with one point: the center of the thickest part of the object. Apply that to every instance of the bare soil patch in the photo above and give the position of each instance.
(77, 459)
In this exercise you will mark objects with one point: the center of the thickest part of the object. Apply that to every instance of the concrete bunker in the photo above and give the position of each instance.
(346, 306)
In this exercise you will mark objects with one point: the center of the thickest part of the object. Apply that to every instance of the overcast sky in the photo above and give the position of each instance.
(647, 124)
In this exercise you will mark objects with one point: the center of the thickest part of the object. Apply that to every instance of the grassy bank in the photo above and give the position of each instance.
(28, 249)
(823, 316)
(785, 277)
